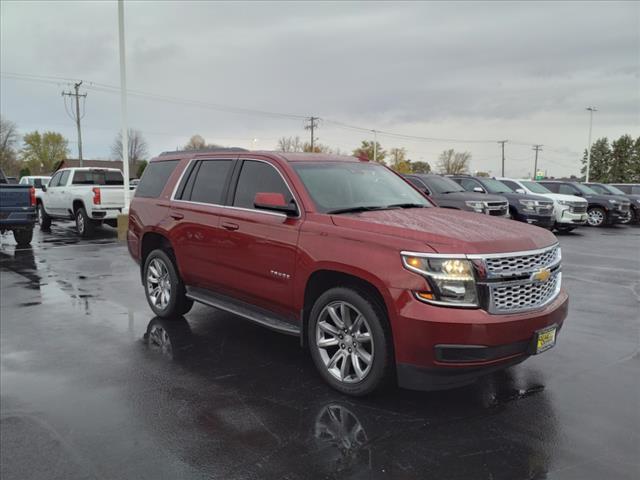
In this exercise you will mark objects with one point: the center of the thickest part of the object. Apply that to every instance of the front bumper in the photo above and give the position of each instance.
(569, 218)
(545, 221)
(420, 331)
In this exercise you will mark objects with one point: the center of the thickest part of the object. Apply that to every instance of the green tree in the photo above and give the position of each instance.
(451, 162)
(621, 160)
(8, 140)
(600, 161)
(420, 167)
(366, 150)
(42, 152)
(634, 176)
(399, 161)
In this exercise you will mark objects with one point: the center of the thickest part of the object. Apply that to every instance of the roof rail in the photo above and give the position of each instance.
(205, 150)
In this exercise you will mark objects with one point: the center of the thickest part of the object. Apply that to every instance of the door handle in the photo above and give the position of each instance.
(176, 215)
(230, 226)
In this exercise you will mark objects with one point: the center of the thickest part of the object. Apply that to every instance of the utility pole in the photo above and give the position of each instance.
(537, 148)
(503, 142)
(591, 110)
(77, 116)
(123, 104)
(312, 125)
(375, 145)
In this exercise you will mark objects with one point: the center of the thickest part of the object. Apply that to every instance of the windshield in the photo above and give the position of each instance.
(495, 186)
(535, 187)
(350, 185)
(98, 177)
(615, 190)
(585, 189)
(441, 184)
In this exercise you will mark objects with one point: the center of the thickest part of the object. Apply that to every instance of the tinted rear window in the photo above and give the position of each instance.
(155, 178)
(97, 177)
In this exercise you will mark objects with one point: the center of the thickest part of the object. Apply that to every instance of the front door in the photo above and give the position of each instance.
(258, 256)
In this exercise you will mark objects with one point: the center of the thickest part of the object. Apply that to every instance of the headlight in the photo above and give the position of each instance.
(564, 202)
(613, 201)
(451, 279)
(477, 206)
(528, 204)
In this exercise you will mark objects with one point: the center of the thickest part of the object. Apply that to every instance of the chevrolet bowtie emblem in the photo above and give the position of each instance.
(541, 275)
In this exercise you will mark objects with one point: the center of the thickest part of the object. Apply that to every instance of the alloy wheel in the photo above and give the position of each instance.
(344, 342)
(595, 217)
(39, 215)
(80, 222)
(158, 283)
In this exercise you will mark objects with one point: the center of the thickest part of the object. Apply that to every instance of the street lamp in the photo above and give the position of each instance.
(591, 110)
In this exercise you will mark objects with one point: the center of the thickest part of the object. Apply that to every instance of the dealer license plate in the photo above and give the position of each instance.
(545, 339)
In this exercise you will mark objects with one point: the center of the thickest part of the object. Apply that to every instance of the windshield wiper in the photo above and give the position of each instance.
(406, 205)
(355, 209)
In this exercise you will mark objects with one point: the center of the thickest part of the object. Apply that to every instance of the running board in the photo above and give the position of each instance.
(258, 315)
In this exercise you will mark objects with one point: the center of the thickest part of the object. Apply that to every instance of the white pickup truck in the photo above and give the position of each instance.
(90, 196)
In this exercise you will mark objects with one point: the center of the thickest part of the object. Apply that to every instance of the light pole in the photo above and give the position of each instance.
(591, 110)
(123, 105)
(375, 145)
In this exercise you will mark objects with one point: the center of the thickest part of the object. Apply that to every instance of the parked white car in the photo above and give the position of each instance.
(35, 180)
(90, 196)
(570, 211)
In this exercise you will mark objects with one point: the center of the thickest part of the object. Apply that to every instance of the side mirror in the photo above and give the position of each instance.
(577, 193)
(275, 202)
(520, 190)
(43, 187)
(479, 190)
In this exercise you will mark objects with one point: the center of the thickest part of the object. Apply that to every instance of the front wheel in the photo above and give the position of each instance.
(350, 341)
(596, 217)
(164, 289)
(23, 237)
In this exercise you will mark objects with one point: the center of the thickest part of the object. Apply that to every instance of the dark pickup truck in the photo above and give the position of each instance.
(17, 210)
(448, 194)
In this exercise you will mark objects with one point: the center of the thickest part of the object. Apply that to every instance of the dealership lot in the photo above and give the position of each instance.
(83, 396)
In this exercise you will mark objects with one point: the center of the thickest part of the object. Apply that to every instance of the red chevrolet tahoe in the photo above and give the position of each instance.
(378, 283)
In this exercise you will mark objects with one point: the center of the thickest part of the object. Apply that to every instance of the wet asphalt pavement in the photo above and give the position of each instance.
(84, 397)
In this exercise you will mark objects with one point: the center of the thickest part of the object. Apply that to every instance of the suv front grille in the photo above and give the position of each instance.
(508, 283)
(578, 208)
(515, 265)
(497, 209)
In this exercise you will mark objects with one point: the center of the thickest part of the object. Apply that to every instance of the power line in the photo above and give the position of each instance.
(77, 117)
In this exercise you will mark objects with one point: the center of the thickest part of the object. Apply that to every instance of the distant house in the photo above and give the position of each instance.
(75, 163)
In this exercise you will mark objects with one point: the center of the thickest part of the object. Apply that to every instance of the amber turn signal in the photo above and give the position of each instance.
(425, 295)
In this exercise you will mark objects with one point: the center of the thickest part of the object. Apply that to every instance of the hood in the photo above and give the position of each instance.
(449, 231)
(561, 196)
(524, 196)
(462, 196)
(605, 198)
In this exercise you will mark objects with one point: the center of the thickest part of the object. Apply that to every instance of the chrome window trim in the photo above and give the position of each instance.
(255, 210)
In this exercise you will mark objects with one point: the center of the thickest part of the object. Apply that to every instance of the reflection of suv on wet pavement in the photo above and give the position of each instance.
(532, 209)
(602, 209)
(347, 256)
(448, 194)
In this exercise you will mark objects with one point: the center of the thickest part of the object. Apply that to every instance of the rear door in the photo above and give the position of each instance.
(195, 219)
(258, 254)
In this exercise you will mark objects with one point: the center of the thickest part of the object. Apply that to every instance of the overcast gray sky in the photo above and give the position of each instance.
(463, 71)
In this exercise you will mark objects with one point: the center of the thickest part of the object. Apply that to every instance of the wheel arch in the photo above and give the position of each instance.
(149, 242)
(323, 279)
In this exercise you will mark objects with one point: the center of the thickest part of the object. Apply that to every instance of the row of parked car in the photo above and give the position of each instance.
(553, 204)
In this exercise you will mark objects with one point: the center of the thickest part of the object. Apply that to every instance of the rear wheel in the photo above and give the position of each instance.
(23, 236)
(44, 220)
(164, 289)
(596, 217)
(350, 341)
(84, 225)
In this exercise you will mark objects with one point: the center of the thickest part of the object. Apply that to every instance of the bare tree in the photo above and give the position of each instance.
(290, 144)
(196, 142)
(138, 149)
(9, 138)
(451, 162)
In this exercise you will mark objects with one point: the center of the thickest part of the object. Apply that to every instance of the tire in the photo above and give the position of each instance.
(23, 236)
(44, 220)
(355, 377)
(84, 225)
(161, 275)
(596, 217)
